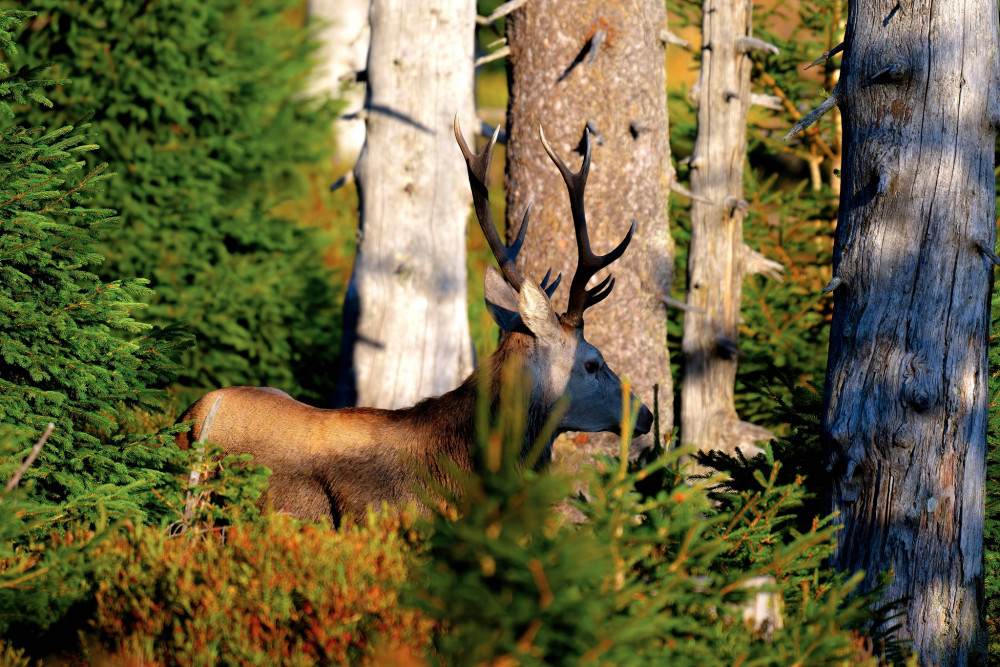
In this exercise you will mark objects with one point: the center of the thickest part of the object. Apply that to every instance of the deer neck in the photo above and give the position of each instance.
(450, 420)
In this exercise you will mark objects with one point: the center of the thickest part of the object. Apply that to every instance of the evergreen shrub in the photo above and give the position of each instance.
(655, 575)
(71, 351)
(201, 112)
(71, 354)
(43, 573)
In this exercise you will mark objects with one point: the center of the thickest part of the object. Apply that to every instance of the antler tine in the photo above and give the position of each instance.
(550, 289)
(515, 247)
(479, 170)
(580, 298)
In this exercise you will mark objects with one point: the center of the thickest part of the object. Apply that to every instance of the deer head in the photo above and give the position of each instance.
(560, 360)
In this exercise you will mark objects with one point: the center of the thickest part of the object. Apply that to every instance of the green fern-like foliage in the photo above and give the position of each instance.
(200, 110)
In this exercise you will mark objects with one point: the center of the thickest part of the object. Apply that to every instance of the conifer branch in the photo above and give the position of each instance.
(768, 80)
(69, 193)
(20, 195)
(194, 478)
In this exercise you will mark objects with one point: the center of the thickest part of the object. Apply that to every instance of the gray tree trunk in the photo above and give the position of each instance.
(599, 63)
(406, 321)
(718, 260)
(905, 402)
(343, 34)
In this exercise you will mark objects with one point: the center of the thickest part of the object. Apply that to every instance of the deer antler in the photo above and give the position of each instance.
(580, 298)
(479, 172)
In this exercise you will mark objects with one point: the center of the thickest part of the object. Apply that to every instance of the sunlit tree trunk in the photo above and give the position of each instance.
(718, 260)
(341, 28)
(906, 391)
(598, 63)
(405, 313)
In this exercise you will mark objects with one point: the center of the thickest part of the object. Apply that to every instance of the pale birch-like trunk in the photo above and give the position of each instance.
(718, 260)
(406, 322)
(600, 63)
(905, 402)
(341, 28)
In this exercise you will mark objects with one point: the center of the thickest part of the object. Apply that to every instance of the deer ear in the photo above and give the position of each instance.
(536, 311)
(501, 300)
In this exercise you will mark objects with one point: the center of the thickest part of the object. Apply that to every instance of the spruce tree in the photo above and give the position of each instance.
(200, 111)
(656, 575)
(71, 351)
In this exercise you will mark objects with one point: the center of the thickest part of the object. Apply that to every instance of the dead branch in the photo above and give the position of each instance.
(681, 305)
(814, 115)
(684, 192)
(490, 57)
(767, 101)
(668, 37)
(755, 263)
(195, 477)
(826, 56)
(15, 479)
(748, 44)
(500, 12)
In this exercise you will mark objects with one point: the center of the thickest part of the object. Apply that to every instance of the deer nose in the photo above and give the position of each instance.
(644, 421)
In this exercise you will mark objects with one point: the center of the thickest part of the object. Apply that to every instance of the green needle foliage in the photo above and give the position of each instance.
(41, 577)
(199, 107)
(71, 351)
(655, 577)
(991, 527)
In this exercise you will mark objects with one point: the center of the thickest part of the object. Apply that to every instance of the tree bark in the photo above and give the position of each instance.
(718, 260)
(405, 314)
(343, 34)
(905, 402)
(600, 63)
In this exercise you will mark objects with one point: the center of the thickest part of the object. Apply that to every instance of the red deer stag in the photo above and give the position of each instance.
(336, 463)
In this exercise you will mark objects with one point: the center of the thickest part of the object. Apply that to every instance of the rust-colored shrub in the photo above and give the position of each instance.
(271, 591)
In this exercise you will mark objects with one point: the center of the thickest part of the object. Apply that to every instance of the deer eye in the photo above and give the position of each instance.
(591, 366)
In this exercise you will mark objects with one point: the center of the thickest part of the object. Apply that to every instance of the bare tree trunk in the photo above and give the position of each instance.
(718, 260)
(406, 321)
(905, 402)
(343, 35)
(598, 63)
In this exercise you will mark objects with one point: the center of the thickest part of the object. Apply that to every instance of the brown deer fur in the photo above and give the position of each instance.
(336, 463)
